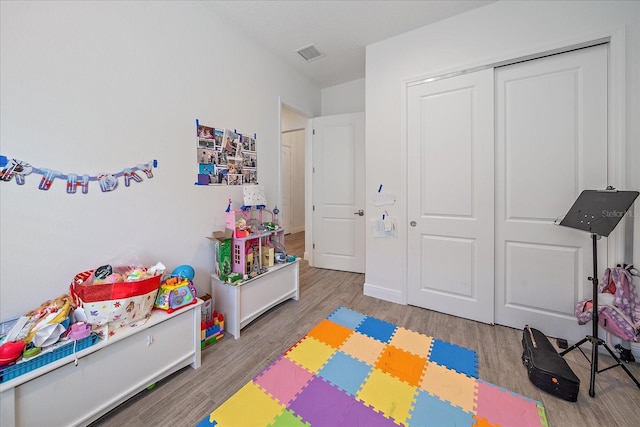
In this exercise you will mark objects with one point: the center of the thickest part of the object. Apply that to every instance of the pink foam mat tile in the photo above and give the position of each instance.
(506, 408)
(272, 380)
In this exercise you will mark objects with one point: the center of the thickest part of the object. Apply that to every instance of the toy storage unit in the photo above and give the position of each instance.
(244, 302)
(107, 373)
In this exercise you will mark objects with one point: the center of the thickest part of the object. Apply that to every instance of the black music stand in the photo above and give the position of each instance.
(598, 212)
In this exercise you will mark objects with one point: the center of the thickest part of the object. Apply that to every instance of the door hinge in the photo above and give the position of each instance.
(313, 169)
(314, 246)
(314, 208)
(314, 132)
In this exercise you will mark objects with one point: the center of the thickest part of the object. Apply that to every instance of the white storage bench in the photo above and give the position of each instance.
(241, 304)
(108, 373)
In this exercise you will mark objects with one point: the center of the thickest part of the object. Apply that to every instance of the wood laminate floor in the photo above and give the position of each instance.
(186, 397)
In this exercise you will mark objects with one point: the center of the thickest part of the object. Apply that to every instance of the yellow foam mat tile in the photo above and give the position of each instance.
(387, 395)
(249, 407)
(311, 354)
(449, 385)
(412, 342)
(363, 348)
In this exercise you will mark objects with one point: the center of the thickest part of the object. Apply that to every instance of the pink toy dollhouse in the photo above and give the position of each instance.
(251, 247)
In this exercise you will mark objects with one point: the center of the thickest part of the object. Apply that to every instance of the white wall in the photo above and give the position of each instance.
(499, 31)
(89, 87)
(292, 120)
(343, 98)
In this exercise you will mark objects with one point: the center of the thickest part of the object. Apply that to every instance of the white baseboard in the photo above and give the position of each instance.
(383, 293)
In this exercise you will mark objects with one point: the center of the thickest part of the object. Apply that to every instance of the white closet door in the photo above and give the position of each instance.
(450, 195)
(551, 143)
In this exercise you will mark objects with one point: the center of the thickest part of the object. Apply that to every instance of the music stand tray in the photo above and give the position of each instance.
(598, 212)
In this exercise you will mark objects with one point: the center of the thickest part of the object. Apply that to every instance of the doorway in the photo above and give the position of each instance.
(292, 181)
(292, 169)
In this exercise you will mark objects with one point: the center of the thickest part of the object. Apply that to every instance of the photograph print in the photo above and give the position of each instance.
(248, 143)
(231, 143)
(205, 136)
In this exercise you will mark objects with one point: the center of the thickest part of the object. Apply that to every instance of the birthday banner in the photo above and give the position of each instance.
(108, 181)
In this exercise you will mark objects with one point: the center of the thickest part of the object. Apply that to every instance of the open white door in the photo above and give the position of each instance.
(338, 192)
(450, 195)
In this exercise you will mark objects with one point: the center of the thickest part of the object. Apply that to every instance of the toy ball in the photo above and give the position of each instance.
(11, 351)
(185, 271)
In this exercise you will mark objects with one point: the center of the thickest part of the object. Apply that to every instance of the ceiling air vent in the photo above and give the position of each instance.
(310, 53)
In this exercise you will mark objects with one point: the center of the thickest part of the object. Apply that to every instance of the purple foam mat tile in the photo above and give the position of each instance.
(322, 405)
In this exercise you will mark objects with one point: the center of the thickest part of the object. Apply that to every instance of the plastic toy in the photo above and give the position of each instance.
(175, 293)
(247, 225)
(11, 351)
(185, 271)
(268, 254)
(79, 330)
(212, 330)
(234, 278)
(30, 351)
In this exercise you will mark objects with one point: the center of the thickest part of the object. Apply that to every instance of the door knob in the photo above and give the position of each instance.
(413, 223)
(360, 212)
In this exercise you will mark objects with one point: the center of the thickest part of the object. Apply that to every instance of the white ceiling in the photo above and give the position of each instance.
(341, 29)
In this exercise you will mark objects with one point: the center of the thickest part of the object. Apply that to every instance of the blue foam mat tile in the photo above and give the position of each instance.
(377, 329)
(454, 357)
(346, 317)
(345, 372)
(429, 411)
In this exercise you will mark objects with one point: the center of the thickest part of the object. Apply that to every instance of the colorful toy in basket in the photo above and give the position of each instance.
(48, 322)
(116, 296)
(177, 291)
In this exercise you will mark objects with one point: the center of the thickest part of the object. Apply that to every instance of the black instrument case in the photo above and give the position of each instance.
(546, 368)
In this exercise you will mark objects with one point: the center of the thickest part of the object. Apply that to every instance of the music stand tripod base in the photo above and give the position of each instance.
(598, 212)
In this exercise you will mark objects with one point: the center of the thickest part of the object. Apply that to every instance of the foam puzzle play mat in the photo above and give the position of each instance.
(356, 370)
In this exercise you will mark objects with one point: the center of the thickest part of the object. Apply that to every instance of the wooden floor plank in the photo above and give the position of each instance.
(188, 396)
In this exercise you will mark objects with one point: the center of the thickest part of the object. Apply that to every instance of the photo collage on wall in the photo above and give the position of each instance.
(226, 157)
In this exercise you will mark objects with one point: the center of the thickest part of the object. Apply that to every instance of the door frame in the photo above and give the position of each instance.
(616, 118)
(308, 229)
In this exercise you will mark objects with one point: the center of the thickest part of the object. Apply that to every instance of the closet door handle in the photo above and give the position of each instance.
(360, 212)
